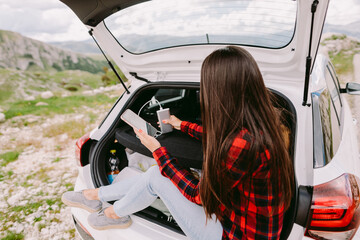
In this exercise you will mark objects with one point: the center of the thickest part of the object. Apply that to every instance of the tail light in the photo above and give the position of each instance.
(79, 145)
(334, 212)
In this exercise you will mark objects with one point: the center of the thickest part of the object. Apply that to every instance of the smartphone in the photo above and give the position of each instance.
(136, 121)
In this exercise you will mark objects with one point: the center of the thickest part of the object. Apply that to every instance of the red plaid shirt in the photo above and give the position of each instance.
(263, 219)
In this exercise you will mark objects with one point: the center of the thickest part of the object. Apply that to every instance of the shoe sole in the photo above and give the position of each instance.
(78, 205)
(107, 227)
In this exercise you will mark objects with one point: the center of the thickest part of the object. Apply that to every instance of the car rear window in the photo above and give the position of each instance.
(162, 24)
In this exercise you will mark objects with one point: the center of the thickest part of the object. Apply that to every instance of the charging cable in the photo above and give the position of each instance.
(152, 99)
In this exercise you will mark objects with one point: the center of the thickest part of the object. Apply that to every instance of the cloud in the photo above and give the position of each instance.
(45, 20)
(232, 17)
(163, 24)
(343, 12)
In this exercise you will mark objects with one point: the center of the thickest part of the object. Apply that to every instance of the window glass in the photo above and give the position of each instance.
(161, 24)
(333, 74)
(334, 92)
(327, 135)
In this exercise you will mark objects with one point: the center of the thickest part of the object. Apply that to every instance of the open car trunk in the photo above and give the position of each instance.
(183, 102)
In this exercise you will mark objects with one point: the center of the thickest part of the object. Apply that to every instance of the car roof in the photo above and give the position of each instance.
(92, 12)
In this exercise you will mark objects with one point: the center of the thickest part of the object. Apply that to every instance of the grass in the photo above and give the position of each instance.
(336, 37)
(9, 157)
(56, 105)
(343, 61)
(75, 78)
(24, 143)
(42, 174)
(27, 209)
(13, 236)
(6, 90)
(39, 81)
(41, 226)
(73, 128)
(58, 159)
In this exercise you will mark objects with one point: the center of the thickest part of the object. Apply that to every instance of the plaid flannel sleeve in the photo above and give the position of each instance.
(184, 180)
(192, 129)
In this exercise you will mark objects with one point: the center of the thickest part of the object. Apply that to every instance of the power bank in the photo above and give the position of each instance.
(164, 114)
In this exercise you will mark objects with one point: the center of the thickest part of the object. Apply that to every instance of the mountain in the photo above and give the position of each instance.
(23, 53)
(352, 29)
(85, 47)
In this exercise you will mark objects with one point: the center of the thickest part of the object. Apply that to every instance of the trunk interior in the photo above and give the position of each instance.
(183, 102)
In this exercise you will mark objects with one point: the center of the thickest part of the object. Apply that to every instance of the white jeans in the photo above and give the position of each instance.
(138, 192)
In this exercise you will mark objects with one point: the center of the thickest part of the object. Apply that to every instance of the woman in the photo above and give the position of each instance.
(247, 175)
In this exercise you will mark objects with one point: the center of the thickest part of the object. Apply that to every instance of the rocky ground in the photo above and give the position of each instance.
(31, 186)
(34, 182)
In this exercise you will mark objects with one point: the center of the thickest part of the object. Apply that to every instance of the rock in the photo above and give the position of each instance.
(41, 104)
(44, 231)
(19, 228)
(2, 117)
(87, 92)
(65, 94)
(14, 199)
(3, 205)
(63, 137)
(29, 98)
(32, 119)
(47, 95)
(66, 175)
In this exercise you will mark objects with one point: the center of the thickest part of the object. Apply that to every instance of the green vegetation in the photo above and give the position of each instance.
(13, 236)
(77, 78)
(9, 157)
(41, 226)
(36, 81)
(110, 78)
(27, 209)
(6, 90)
(58, 159)
(343, 59)
(56, 105)
(72, 233)
(336, 37)
(84, 64)
(72, 128)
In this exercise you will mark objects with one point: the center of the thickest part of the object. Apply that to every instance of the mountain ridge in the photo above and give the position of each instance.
(83, 47)
(23, 53)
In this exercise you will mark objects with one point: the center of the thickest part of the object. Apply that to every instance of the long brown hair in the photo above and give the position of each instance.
(233, 97)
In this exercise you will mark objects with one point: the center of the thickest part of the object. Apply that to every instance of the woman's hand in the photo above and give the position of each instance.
(148, 141)
(173, 121)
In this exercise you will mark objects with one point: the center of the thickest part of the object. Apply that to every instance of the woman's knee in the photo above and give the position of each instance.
(153, 172)
(155, 180)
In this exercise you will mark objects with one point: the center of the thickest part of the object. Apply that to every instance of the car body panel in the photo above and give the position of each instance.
(344, 161)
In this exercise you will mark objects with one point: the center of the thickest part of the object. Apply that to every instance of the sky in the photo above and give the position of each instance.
(51, 20)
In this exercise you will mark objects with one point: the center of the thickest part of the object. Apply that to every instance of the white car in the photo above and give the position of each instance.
(160, 45)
